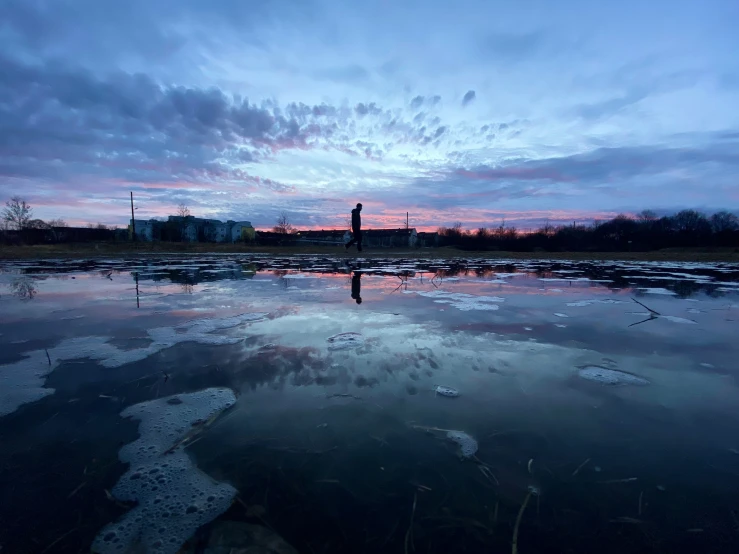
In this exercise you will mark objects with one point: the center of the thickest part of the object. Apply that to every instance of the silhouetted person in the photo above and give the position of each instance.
(356, 229)
(356, 286)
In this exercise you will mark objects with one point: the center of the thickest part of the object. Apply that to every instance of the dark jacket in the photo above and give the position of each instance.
(356, 220)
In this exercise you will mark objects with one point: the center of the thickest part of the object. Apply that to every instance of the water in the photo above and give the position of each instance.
(605, 393)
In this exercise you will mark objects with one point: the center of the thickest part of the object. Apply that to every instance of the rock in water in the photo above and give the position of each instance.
(446, 391)
(610, 376)
(467, 445)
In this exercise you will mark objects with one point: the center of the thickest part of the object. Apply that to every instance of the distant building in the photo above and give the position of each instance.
(193, 229)
(242, 231)
(145, 229)
(389, 238)
(329, 237)
(427, 240)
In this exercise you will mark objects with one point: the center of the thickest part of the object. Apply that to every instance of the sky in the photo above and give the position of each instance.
(477, 111)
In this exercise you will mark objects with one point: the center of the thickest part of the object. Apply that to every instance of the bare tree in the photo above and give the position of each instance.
(57, 223)
(646, 215)
(283, 225)
(37, 224)
(17, 213)
(183, 210)
(724, 221)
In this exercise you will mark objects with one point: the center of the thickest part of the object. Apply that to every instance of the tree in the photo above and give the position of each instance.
(645, 216)
(37, 224)
(183, 210)
(57, 223)
(17, 213)
(283, 225)
(724, 221)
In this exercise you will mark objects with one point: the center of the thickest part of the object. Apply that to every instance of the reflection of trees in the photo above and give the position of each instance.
(24, 287)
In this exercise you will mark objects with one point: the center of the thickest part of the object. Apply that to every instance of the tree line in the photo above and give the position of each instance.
(18, 216)
(643, 232)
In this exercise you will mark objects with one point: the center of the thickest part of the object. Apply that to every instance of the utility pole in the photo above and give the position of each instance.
(133, 221)
(406, 221)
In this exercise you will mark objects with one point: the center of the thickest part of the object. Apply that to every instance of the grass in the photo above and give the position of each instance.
(121, 249)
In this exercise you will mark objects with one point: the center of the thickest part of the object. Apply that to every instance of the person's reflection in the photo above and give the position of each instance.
(356, 286)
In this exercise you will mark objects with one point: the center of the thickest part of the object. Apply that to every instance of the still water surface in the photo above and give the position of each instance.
(145, 402)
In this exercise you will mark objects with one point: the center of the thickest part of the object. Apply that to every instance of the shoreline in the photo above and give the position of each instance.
(119, 250)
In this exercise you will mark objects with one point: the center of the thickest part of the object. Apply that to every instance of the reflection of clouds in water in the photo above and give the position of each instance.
(484, 367)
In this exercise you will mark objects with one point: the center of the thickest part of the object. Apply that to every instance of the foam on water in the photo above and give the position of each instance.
(345, 341)
(173, 497)
(467, 445)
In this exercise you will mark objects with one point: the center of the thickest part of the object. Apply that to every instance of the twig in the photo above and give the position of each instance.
(47, 355)
(651, 311)
(514, 549)
(582, 465)
(627, 480)
(75, 491)
(57, 540)
(409, 532)
(343, 395)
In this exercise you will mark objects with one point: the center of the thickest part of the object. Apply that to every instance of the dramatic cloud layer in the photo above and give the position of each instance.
(241, 109)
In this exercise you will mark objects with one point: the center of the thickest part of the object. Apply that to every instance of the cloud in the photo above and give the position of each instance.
(468, 97)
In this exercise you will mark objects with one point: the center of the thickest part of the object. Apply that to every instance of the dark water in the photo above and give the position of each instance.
(332, 447)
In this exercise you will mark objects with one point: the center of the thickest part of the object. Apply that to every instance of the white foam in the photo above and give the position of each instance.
(467, 445)
(345, 341)
(173, 497)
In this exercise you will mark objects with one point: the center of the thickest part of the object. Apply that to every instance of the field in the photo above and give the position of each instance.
(117, 249)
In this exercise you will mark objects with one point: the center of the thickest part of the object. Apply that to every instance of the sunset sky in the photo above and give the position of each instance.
(472, 111)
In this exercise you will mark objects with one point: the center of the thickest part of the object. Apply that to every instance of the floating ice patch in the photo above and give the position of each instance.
(22, 382)
(560, 325)
(298, 276)
(582, 303)
(462, 301)
(446, 391)
(658, 291)
(345, 341)
(561, 315)
(676, 319)
(467, 445)
(173, 497)
(610, 376)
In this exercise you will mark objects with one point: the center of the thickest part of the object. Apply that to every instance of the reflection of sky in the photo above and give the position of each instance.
(515, 367)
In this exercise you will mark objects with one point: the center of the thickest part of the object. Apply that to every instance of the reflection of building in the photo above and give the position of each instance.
(194, 229)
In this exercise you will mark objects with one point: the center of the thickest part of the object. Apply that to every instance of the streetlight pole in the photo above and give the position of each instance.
(133, 221)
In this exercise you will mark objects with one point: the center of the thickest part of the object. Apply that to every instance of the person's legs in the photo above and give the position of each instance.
(359, 240)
